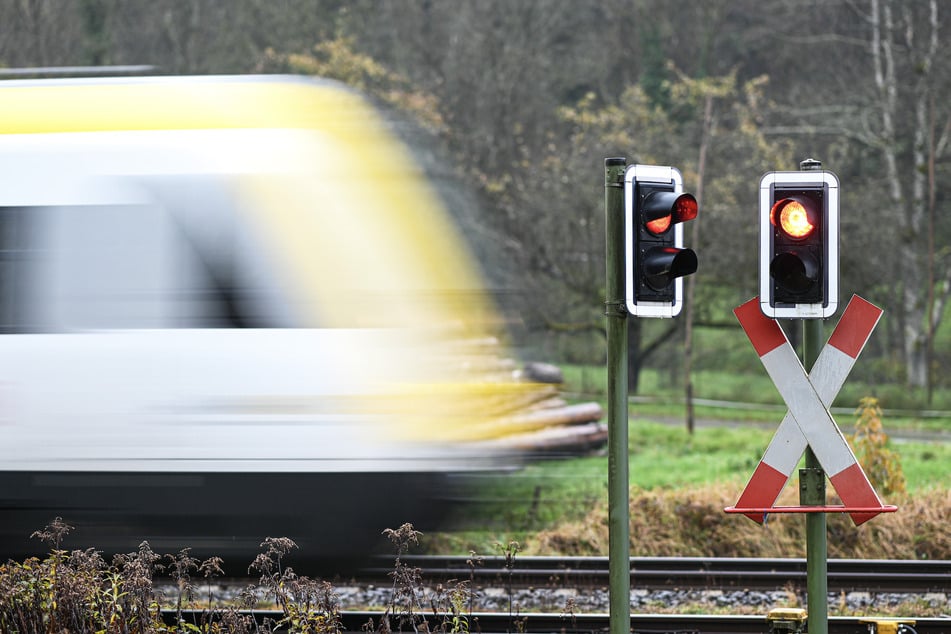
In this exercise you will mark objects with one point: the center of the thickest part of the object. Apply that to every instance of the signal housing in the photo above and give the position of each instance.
(655, 206)
(799, 244)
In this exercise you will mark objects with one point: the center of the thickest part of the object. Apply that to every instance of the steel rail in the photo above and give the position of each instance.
(909, 576)
(366, 622)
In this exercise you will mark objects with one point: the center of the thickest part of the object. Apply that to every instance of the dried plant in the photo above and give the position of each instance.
(80, 592)
(449, 605)
(270, 566)
(474, 560)
(509, 552)
(54, 533)
(307, 605)
(209, 569)
(179, 568)
(405, 602)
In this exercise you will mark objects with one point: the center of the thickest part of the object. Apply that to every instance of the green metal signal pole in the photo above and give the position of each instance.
(619, 543)
(812, 492)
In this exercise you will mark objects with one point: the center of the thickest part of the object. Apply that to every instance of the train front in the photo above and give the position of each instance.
(231, 309)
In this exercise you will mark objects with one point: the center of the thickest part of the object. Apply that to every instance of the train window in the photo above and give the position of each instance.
(16, 251)
(71, 268)
(95, 267)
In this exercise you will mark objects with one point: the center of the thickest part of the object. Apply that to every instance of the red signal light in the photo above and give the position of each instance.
(792, 216)
(658, 226)
(685, 208)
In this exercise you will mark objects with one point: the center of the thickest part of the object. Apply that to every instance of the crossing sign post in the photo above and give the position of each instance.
(809, 428)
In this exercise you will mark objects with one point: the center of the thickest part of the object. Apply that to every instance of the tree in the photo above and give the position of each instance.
(882, 112)
(531, 96)
(568, 231)
(910, 30)
(39, 33)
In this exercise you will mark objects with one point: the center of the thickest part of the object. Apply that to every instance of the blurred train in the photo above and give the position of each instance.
(231, 308)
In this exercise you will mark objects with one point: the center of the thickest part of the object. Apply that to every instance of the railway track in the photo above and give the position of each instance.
(587, 577)
(366, 622)
(900, 576)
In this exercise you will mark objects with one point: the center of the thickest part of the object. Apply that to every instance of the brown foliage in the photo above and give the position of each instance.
(692, 522)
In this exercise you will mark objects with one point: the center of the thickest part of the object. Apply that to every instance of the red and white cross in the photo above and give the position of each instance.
(808, 421)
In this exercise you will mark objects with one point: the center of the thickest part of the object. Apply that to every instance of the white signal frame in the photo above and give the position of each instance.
(648, 174)
(830, 257)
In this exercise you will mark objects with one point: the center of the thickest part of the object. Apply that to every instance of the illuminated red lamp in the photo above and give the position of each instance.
(682, 209)
(796, 218)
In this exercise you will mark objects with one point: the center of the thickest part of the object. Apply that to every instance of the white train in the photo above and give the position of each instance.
(230, 308)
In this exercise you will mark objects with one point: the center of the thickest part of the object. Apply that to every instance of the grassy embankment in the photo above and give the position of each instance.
(680, 484)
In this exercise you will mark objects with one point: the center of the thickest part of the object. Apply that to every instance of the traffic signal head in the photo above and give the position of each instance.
(799, 235)
(655, 207)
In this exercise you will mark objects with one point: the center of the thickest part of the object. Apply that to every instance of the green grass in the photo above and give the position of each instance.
(667, 456)
(925, 465)
(662, 456)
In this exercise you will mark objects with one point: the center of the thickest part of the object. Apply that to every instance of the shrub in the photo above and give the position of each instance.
(870, 443)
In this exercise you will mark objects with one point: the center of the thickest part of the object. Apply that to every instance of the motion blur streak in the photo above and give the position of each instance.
(236, 295)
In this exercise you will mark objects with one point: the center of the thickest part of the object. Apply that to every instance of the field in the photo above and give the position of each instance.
(559, 505)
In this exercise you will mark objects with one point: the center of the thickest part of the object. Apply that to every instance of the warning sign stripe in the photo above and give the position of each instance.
(808, 421)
